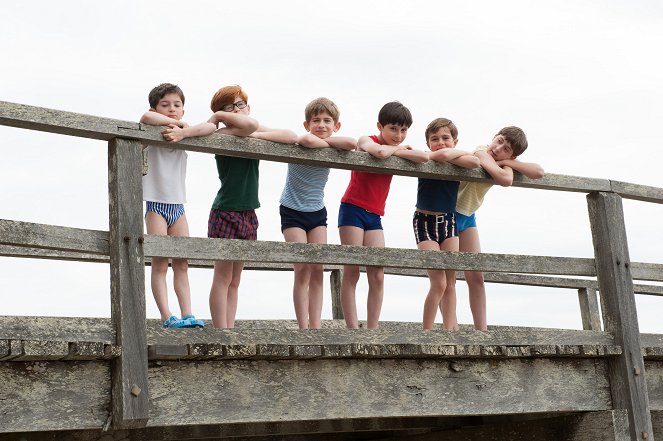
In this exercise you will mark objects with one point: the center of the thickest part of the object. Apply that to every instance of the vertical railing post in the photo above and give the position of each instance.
(130, 397)
(335, 278)
(627, 370)
(589, 309)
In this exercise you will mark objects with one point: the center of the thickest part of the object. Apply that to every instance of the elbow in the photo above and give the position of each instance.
(381, 153)
(290, 137)
(538, 174)
(306, 140)
(504, 182)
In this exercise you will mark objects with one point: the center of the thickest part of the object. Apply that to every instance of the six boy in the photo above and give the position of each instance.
(437, 220)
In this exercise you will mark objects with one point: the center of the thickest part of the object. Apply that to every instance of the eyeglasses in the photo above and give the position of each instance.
(230, 107)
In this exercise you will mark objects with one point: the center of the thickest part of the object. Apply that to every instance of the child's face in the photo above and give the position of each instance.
(500, 148)
(322, 125)
(392, 134)
(237, 106)
(171, 105)
(442, 139)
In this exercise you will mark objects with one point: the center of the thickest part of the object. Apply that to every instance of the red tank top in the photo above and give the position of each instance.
(368, 190)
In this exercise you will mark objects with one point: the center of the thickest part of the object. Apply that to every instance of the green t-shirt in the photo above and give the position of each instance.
(239, 184)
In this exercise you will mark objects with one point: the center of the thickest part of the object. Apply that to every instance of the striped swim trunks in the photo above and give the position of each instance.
(233, 224)
(170, 212)
(436, 227)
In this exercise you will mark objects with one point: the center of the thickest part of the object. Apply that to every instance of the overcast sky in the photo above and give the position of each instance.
(583, 79)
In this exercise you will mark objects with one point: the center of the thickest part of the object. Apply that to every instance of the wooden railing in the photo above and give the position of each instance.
(127, 249)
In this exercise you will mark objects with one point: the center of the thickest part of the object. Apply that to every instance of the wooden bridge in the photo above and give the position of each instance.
(126, 378)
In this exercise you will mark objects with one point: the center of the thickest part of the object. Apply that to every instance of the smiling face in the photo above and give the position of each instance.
(441, 139)
(392, 134)
(171, 105)
(322, 125)
(500, 148)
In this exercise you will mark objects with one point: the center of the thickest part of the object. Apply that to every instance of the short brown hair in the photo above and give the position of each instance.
(320, 105)
(395, 113)
(161, 91)
(437, 124)
(226, 95)
(516, 138)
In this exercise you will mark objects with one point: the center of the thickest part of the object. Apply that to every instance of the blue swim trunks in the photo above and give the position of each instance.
(170, 212)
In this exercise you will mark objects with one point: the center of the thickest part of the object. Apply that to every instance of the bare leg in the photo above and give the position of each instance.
(316, 275)
(181, 268)
(300, 295)
(157, 225)
(218, 296)
(469, 242)
(350, 236)
(374, 238)
(233, 293)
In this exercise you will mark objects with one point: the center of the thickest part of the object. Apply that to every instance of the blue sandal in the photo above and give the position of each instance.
(173, 322)
(192, 322)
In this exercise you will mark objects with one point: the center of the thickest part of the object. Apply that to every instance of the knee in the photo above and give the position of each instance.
(351, 275)
(180, 265)
(159, 266)
(474, 279)
(375, 278)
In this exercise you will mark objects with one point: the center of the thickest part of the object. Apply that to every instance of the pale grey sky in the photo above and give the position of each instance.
(581, 78)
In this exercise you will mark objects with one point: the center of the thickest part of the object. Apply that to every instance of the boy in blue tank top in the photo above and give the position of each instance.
(434, 220)
(303, 212)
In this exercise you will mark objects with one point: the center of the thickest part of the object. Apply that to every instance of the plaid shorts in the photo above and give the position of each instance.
(233, 224)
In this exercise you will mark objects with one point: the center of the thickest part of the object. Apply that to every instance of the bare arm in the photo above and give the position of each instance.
(175, 133)
(502, 175)
(342, 142)
(236, 124)
(284, 136)
(380, 151)
(529, 169)
(412, 155)
(157, 119)
(455, 156)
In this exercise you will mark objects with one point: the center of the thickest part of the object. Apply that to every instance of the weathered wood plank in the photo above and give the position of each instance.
(627, 372)
(647, 271)
(130, 385)
(396, 336)
(217, 392)
(57, 328)
(591, 426)
(68, 123)
(589, 309)
(268, 251)
(335, 279)
(637, 192)
(50, 236)
(53, 395)
(654, 370)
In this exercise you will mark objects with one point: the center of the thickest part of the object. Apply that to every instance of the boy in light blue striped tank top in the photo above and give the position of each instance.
(303, 212)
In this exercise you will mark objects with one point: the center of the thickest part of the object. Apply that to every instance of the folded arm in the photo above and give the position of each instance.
(455, 156)
(529, 169)
(175, 133)
(236, 124)
(502, 175)
(284, 136)
(157, 119)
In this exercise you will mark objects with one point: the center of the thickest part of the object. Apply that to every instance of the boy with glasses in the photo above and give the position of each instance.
(233, 212)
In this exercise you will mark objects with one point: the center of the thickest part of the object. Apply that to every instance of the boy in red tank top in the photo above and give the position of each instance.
(363, 203)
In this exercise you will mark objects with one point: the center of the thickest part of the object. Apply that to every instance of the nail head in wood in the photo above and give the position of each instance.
(141, 239)
(636, 370)
(135, 390)
(127, 238)
(645, 435)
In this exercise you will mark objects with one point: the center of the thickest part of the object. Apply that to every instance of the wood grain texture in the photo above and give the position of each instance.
(627, 371)
(268, 251)
(69, 123)
(127, 285)
(231, 391)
